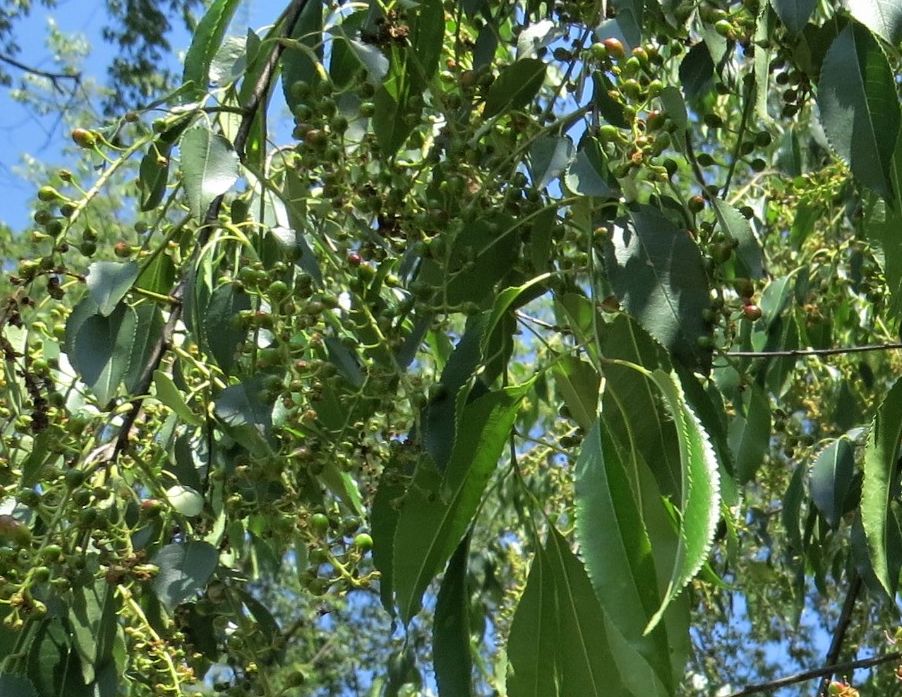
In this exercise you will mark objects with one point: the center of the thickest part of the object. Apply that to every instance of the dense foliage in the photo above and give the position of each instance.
(550, 349)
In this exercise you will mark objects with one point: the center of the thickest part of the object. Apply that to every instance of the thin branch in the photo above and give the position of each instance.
(841, 668)
(261, 87)
(746, 110)
(52, 76)
(839, 633)
(797, 353)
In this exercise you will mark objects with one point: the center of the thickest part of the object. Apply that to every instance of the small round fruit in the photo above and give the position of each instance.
(697, 203)
(74, 478)
(751, 311)
(724, 28)
(84, 138)
(363, 542)
(599, 51)
(122, 249)
(48, 193)
(319, 522)
(614, 47)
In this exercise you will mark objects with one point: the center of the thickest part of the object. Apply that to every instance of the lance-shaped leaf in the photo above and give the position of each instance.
(859, 106)
(831, 479)
(749, 434)
(438, 509)
(451, 629)
(185, 569)
(515, 87)
(548, 158)
(616, 548)
(102, 350)
(578, 383)
(880, 456)
(883, 17)
(794, 13)
(206, 42)
(558, 644)
(657, 272)
(700, 501)
(734, 224)
(209, 165)
(109, 281)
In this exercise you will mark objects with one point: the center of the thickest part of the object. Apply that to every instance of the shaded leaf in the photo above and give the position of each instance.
(103, 351)
(548, 158)
(246, 418)
(880, 456)
(794, 13)
(733, 224)
(657, 272)
(831, 479)
(749, 434)
(437, 509)
(222, 328)
(170, 395)
(297, 65)
(578, 382)
(109, 281)
(148, 332)
(451, 629)
(515, 86)
(185, 568)
(859, 106)
(883, 17)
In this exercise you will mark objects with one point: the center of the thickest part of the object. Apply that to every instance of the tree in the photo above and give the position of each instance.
(552, 352)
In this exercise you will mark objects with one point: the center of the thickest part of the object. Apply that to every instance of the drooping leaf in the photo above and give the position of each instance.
(205, 44)
(298, 65)
(657, 272)
(244, 414)
(700, 501)
(148, 332)
(451, 629)
(209, 165)
(859, 106)
(93, 615)
(697, 71)
(880, 456)
(883, 17)
(437, 509)
(831, 479)
(616, 548)
(549, 157)
(578, 383)
(794, 13)
(167, 393)
(109, 281)
(749, 434)
(223, 331)
(153, 175)
(158, 275)
(629, 17)
(185, 568)
(102, 351)
(558, 644)
(515, 86)
(734, 225)
(586, 175)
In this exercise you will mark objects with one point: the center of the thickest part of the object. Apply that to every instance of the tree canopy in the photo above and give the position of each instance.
(526, 349)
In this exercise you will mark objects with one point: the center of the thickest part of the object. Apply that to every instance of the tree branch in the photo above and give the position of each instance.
(842, 668)
(264, 81)
(52, 76)
(839, 633)
(797, 353)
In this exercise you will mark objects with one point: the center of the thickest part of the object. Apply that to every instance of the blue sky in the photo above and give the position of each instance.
(23, 132)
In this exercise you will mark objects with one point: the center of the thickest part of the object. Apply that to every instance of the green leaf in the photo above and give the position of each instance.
(427, 31)
(749, 434)
(533, 646)
(831, 479)
(451, 629)
(148, 331)
(103, 349)
(697, 72)
(586, 175)
(616, 548)
(437, 509)
(794, 13)
(53, 663)
(578, 383)
(170, 395)
(549, 157)
(700, 501)
(210, 168)
(386, 509)
(880, 455)
(859, 106)
(733, 224)
(558, 645)
(185, 568)
(109, 281)
(883, 17)
(631, 405)
(158, 276)
(629, 17)
(153, 174)
(246, 418)
(658, 274)
(205, 44)
(791, 514)
(17, 686)
(222, 329)
(93, 615)
(515, 86)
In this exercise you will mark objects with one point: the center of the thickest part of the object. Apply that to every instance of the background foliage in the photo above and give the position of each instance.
(463, 348)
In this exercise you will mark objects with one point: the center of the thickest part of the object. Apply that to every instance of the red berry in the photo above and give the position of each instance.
(751, 311)
(615, 48)
(354, 259)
